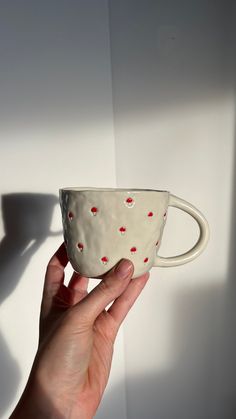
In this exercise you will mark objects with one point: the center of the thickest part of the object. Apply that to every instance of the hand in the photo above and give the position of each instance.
(77, 335)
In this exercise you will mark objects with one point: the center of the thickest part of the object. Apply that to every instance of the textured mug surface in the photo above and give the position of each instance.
(103, 225)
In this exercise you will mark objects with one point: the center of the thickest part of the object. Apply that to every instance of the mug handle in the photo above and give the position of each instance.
(201, 243)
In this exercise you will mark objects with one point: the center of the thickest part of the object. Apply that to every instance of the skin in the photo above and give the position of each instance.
(76, 340)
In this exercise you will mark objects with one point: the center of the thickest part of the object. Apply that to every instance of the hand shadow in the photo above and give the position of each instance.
(26, 219)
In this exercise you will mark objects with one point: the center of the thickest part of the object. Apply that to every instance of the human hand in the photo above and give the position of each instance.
(77, 335)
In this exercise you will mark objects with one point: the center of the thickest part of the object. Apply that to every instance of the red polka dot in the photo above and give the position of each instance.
(133, 249)
(104, 260)
(122, 230)
(145, 260)
(94, 210)
(157, 243)
(150, 214)
(70, 215)
(165, 215)
(129, 202)
(80, 247)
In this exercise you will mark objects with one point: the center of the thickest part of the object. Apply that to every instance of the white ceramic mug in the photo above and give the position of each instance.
(103, 225)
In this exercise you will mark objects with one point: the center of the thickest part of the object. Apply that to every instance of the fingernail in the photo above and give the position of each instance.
(124, 268)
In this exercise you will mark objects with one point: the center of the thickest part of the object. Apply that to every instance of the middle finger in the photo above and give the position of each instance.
(78, 284)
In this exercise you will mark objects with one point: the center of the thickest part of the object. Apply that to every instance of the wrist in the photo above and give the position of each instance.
(33, 404)
(36, 403)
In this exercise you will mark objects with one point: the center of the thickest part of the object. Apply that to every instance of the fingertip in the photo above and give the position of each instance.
(124, 269)
(78, 282)
(142, 279)
(147, 275)
(60, 257)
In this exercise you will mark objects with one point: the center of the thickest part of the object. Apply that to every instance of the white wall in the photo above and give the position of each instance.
(56, 129)
(166, 69)
(174, 119)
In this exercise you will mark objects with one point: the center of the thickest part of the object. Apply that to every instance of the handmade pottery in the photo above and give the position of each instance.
(103, 225)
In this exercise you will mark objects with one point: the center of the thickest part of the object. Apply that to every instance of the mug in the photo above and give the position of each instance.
(103, 225)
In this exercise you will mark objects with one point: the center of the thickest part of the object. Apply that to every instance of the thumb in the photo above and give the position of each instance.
(111, 287)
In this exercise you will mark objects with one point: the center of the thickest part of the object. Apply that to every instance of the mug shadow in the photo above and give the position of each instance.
(26, 220)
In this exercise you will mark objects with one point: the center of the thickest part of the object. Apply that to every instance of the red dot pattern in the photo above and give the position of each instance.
(70, 215)
(129, 202)
(104, 260)
(122, 230)
(94, 211)
(80, 247)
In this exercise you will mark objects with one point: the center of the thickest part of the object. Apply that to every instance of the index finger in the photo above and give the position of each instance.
(54, 277)
(59, 259)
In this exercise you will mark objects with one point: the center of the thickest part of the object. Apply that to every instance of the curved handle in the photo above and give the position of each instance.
(198, 248)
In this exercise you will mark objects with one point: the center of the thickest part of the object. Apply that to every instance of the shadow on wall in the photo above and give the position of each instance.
(53, 68)
(200, 383)
(166, 55)
(26, 220)
(203, 340)
(229, 325)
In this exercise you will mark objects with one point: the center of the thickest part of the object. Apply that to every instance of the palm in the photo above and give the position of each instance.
(77, 334)
(96, 341)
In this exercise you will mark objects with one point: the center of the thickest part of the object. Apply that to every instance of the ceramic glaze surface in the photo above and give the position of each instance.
(102, 226)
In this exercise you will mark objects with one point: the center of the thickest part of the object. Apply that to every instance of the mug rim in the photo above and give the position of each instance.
(102, 189)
